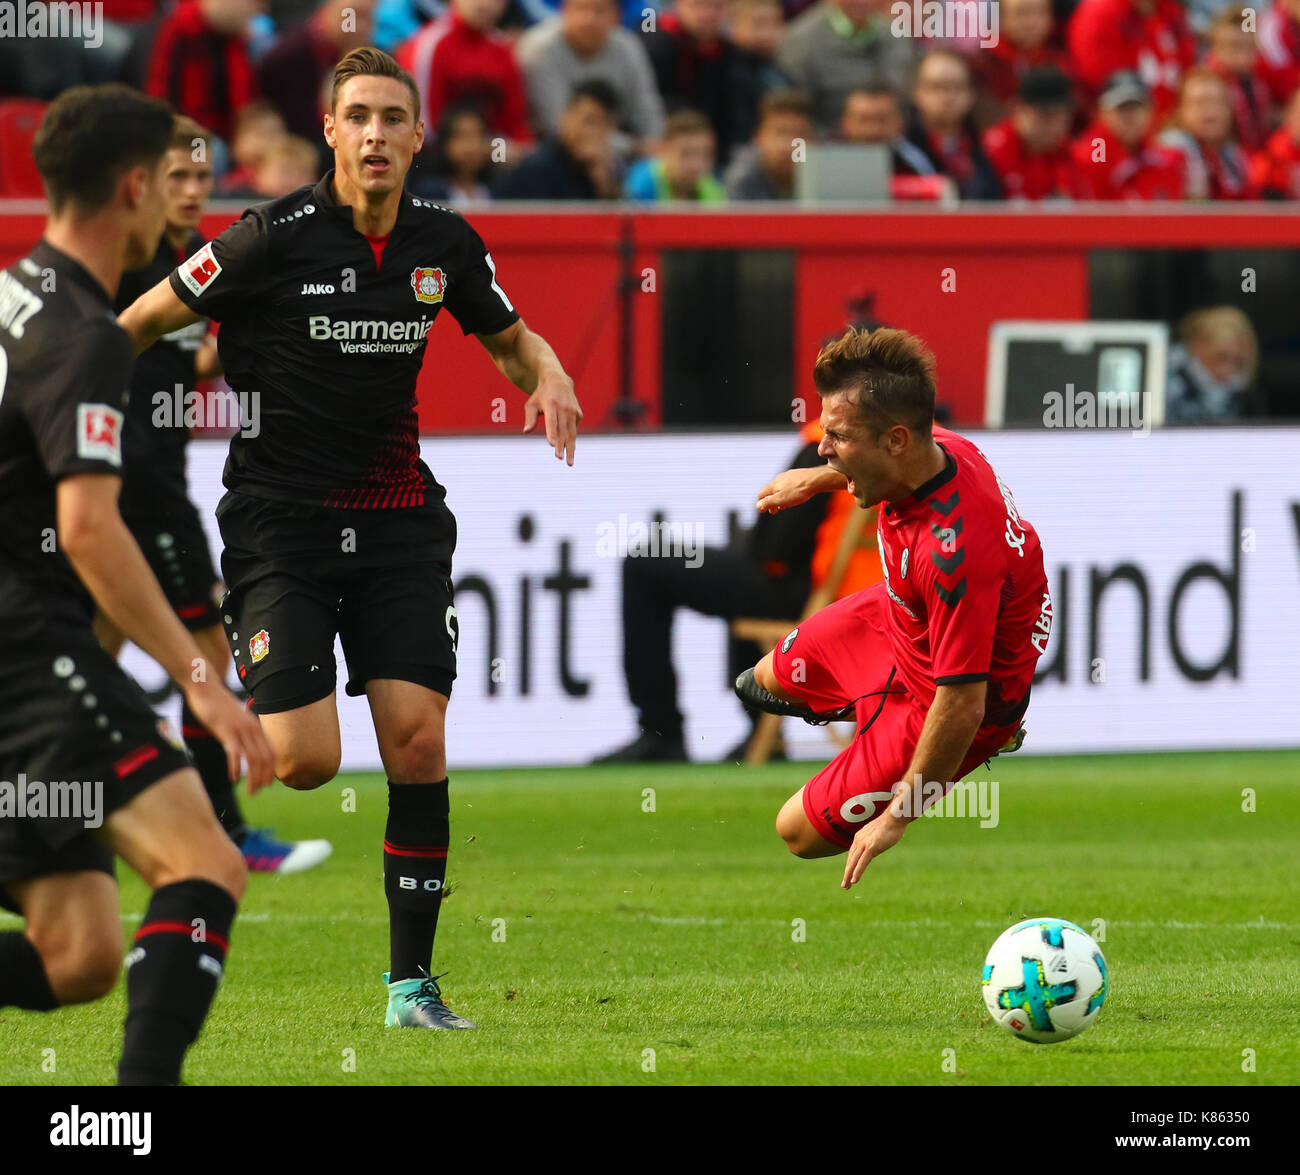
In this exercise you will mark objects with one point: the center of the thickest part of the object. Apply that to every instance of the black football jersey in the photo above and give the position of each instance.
(65, 366)
(153, 443)
(328, 333)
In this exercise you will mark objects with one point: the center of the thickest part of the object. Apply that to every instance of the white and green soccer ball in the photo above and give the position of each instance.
(1044, 980)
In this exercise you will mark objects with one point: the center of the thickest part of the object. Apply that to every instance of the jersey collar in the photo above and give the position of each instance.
(46, 255)
(942, 478)
(323, 194)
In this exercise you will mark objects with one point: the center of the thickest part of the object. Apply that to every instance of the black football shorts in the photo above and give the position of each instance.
(176, 546)
(77, 735)
(297, 576)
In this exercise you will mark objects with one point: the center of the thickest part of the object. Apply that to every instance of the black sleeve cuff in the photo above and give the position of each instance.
(961, 679)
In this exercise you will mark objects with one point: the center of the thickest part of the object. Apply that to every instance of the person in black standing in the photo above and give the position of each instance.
(87, 769)
(155, 502)
(332, 524)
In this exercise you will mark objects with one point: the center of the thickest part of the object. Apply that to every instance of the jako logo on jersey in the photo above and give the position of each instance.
(428, 284)
(200, 271)
(313, 288)
(259, 644)
(99, 433)
(785, 644)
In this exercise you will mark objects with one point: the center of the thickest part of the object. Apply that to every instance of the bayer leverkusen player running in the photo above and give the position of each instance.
(332, 524)
(936, 662)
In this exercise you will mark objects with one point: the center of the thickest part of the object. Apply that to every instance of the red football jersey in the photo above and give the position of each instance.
(964, 573)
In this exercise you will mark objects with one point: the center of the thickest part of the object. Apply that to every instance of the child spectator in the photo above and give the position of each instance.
(1234, 56)
(1212, 367)
(1275, 171)
(461, 57)
(1216, 168)
(459, 165)
(1149, 36)
(1116, 157)
(942, 129)
(682, 169)
(1030, 150)
(579, 162)
(765, 169)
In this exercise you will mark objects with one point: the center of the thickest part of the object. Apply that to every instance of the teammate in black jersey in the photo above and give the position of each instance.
(332, 523)
(155, 500)
(86, 768)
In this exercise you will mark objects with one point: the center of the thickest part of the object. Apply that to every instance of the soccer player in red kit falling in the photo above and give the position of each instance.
(936, 662)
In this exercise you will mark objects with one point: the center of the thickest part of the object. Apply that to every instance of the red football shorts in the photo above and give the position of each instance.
(841, 655)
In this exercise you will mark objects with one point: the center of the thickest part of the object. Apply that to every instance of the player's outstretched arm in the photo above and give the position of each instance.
(95, 540)
(155, 313)
(950, 727)
(527, 361)
(796, 486)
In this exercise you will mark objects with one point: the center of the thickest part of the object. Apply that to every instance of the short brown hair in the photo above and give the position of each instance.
(375, 63)
(90, 136)
(888, 373)
(784, 102)
(686, 122)
(188, 134)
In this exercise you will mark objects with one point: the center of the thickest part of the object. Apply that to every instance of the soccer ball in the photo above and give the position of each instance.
(1044, 980)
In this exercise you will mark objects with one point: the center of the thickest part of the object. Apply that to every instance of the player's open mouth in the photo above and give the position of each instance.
(375, 162)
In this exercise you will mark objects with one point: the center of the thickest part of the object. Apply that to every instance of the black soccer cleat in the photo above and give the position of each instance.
(752, 694)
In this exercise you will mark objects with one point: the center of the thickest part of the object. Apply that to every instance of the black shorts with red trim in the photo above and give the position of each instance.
(298, 576)
(78, 740)
(176, 546)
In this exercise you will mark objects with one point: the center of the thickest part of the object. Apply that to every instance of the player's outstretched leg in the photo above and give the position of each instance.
(170, 836)
(409, 723)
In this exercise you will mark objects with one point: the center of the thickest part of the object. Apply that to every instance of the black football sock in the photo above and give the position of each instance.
(23, 982)
(171, 978)
(415, 868)
(214, 771)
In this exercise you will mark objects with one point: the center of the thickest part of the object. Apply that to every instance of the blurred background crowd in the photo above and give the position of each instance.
(709, 100)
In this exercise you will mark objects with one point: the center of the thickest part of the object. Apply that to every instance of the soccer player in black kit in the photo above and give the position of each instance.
(68, 714)
(155, 500)
(332, 524)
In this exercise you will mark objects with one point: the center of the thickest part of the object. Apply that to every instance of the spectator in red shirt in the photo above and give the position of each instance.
(292, 73)
(1115, 156)
(1279, 49)
(1149, 36)
(1030, 150)
(198, 61)
(1234, 56)
(460, 57)
(941, 125)
(1275, 171)
(1024, 43)
(695, 68)
(1216, 168)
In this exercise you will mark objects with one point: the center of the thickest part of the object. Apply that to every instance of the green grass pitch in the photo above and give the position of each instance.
(596, 942)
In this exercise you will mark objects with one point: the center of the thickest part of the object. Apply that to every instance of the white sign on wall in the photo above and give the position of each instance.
(1173, 560)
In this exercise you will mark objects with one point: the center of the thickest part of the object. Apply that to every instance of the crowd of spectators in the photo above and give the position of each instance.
(715, 100)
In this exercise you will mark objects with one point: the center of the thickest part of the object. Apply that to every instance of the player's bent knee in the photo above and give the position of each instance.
(420, 758)
(85, 969)
(306, 772)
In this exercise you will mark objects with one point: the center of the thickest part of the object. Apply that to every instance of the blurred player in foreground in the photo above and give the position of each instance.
(155, 501)
(332, 524)
(937, 661)
(86, 768)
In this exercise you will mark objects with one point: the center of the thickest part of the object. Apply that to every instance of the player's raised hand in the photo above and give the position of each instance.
(796, 486)
(557, 404)
(872, 839)
(238, 731)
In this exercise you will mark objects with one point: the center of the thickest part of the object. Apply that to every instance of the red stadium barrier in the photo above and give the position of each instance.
(577, 278)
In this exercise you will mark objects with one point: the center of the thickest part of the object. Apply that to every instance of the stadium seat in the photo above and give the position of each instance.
(19, 118)
(768, 632)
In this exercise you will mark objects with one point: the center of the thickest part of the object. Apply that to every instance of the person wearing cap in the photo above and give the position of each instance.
(1030, 149)
(1116, 157)
(1201, 131)
(1150, 37)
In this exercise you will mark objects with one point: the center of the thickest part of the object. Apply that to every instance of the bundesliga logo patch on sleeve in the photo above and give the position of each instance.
(99, 433)
(200, 271)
